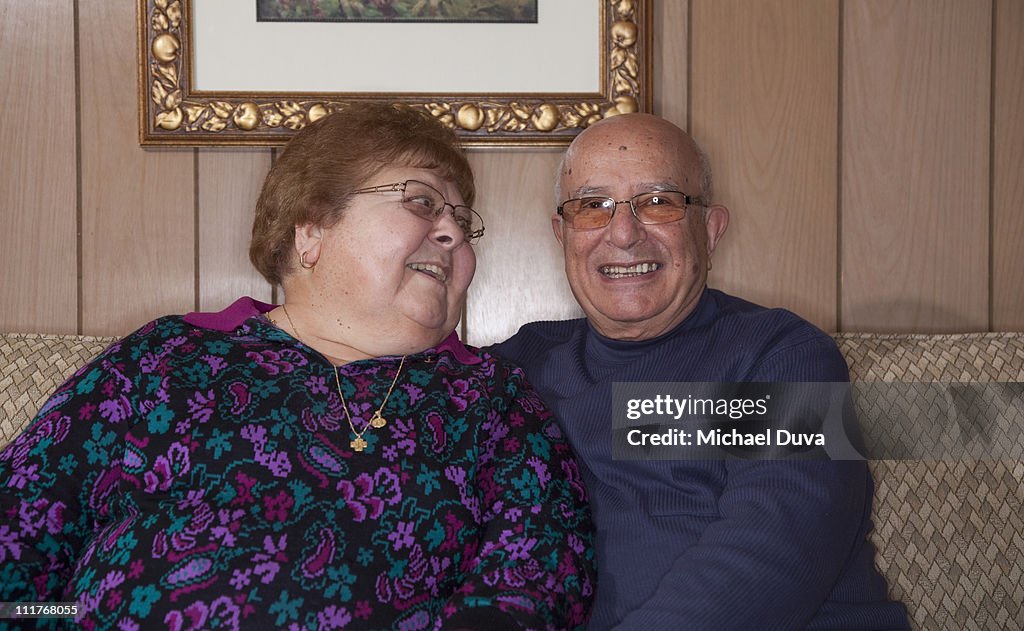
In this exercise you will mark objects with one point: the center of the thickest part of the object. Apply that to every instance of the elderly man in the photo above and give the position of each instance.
(728, 544)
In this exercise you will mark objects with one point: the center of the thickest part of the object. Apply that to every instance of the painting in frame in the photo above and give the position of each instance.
(460, 85)
(397, 10)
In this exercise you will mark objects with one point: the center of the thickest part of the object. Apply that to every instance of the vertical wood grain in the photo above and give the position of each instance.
(229, 184)
(917, 230)
(520, 275)
(670, 60)
(764, 107)
(915, 165)
(1008, 168)
(38, 252)
(138, 227)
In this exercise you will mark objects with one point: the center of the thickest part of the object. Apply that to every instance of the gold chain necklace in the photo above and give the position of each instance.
(377, 421)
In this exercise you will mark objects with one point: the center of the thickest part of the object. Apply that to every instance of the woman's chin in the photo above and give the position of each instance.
(424, 330)
(435, 316)
(436, 330)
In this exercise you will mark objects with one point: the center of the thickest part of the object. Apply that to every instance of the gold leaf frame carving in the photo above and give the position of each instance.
(172, 113)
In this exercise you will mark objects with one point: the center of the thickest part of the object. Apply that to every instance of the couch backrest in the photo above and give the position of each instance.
(950, 535)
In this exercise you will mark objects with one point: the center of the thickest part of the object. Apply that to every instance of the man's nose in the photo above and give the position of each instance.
(625, 230)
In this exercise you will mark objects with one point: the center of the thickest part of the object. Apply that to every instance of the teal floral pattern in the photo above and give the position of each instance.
(194, 478)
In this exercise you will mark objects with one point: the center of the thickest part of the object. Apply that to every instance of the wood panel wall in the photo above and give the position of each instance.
(871, 153)
(1007, 293)
(768, 126)
(915, 172)
(38, 167)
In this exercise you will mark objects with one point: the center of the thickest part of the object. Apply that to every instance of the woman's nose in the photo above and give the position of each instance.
(446, 230)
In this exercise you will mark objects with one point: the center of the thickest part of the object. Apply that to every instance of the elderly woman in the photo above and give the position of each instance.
(341, 460)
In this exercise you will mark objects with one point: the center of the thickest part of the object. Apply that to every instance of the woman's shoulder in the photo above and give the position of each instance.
(180, 334)
(150, 334)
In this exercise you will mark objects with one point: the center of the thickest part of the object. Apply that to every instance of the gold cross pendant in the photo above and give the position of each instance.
(377, 421)
(358, 444)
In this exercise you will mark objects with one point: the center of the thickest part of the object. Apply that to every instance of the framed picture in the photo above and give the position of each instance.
(397, 11)
(213, 72)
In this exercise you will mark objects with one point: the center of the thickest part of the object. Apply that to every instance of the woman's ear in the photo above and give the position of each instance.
(308, 242)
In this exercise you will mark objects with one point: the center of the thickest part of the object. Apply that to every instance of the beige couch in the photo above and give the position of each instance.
(950, 534)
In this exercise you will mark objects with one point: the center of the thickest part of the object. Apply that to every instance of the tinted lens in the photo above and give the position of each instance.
(660, 207)
(589, 212)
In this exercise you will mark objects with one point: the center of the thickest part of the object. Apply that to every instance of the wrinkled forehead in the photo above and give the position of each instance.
(642, 151)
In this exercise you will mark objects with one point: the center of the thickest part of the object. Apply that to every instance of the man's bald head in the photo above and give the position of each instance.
(641, 127)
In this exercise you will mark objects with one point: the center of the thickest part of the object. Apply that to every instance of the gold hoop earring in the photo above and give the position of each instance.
(303, 264)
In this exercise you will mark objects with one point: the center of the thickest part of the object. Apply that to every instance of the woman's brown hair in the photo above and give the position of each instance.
(313, 180)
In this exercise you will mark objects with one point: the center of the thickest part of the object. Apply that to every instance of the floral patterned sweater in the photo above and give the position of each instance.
(198, 475)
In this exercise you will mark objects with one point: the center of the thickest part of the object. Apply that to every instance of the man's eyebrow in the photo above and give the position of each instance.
(643, 187)
(660, 186)
(589, 190)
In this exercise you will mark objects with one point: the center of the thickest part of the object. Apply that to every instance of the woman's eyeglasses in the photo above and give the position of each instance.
(426, 202)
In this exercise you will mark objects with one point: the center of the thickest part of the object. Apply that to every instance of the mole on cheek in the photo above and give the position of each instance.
(623, 148)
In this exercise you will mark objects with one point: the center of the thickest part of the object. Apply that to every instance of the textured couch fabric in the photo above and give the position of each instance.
(32, 366)
(950, 535)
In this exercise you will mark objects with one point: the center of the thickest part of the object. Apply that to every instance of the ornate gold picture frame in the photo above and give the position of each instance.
(172, 112)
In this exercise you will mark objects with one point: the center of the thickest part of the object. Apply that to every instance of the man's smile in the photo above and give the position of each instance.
(628, 271)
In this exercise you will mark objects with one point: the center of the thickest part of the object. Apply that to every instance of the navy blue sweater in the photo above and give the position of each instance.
(713, 544)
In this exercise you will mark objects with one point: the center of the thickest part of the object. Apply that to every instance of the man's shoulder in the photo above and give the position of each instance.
(535, 338)
(773, 323)
(549, 330)
(782, 345)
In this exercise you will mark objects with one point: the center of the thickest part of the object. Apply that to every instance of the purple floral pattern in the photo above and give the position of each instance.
(195, 479)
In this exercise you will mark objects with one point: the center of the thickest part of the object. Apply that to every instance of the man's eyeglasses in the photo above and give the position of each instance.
(590, 213)
(426, 202)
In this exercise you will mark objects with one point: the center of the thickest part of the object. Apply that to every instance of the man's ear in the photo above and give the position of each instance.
(558, 226)
(716, 220)
(308, 242)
